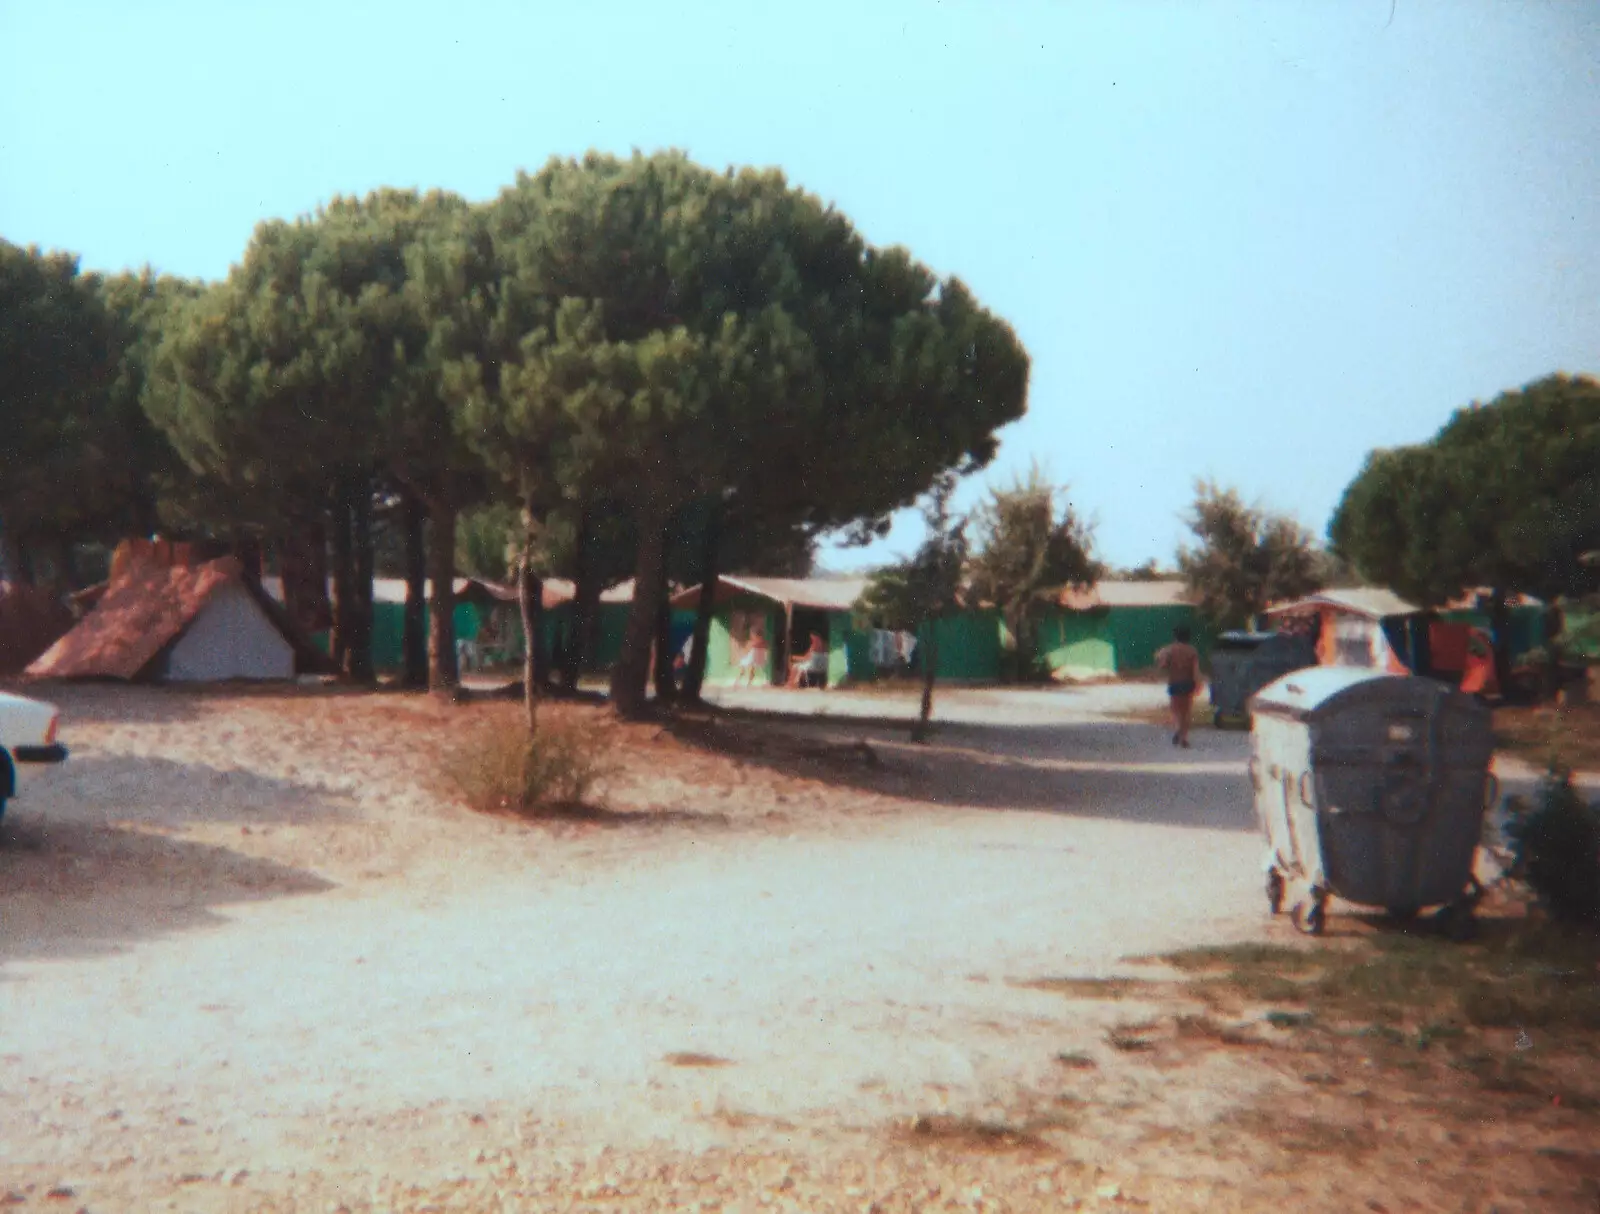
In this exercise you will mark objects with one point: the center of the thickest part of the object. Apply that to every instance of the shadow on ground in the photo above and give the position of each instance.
(614, 819)
(1099, 769)
(75, 889)
(90, 856)
(100, 789)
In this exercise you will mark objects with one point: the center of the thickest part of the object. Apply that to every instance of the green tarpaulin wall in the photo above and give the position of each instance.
(974, 646)
(1115, 640)
(1527, 626)
(388, 631)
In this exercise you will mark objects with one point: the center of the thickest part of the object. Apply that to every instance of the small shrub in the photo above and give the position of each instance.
(1556, 849)
(502, 768)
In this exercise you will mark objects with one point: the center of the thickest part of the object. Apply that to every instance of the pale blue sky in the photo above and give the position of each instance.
(1246, 241)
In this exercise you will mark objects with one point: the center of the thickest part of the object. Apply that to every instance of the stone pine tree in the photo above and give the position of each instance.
(764, 344)
(918, 593)
(535, 416)
(80, 461)
(1506, 496)
(265, 385)
(441, 315)
(1244, 558)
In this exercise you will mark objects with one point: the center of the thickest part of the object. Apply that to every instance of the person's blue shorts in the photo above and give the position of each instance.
(1185, 688)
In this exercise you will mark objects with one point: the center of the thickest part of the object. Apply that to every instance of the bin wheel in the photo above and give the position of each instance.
(1311, 916)
(1275, 891)
(1459, 918)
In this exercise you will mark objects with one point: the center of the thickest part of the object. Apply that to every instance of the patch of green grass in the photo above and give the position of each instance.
(1430, 1033)
(1531, 976)
(1236, 957)
(1404, 1005)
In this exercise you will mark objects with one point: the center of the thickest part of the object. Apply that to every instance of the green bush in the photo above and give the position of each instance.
(1556, 848)
(501, 768)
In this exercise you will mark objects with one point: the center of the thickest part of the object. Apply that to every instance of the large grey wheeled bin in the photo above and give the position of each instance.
(1371, 787)
(1242, 663)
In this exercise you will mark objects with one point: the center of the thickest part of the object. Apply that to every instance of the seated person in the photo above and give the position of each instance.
(812, 666)
(754, 660)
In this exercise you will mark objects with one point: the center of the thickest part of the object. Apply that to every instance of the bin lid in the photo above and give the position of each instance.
(1242, 640)
(1304, 692)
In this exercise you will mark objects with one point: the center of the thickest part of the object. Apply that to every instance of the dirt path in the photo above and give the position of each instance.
(243, 955)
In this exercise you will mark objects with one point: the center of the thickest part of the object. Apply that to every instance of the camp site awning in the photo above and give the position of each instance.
(1168, 592)
(1368, 602)
(817, 594)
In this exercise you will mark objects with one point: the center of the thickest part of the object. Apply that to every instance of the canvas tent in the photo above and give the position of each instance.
(786, 611)
(165, 616)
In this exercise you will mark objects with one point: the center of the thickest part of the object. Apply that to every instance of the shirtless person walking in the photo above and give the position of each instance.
(1181, 661)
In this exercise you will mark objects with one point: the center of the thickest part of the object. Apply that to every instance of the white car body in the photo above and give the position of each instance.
(27, 741)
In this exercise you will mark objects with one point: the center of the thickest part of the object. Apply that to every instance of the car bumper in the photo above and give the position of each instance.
(40, 754)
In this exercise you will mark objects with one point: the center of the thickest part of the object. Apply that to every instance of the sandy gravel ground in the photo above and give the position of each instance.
(253, 956)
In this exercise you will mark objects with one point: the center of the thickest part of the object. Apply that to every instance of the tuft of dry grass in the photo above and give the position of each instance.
(498, 767)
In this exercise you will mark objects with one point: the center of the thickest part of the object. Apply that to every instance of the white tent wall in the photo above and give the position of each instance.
(232, 638)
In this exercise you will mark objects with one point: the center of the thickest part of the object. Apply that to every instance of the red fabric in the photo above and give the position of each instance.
(1447, 645)
(146, 605)
(1479, 675)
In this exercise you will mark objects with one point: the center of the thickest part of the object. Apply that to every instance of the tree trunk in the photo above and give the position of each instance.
(343, 577)
(1019, 669)
(694, 676)
(444, 675)
(666, 678)
(303, 565)
(585, 616)
(358, 648)
(414, 637)
(930, 671)
(1554, 623)
(529, 593)
(25, 561)
(1500, 633)
(632, 672)
(534, 641)
(58, 554)
(8, 561)
(247, 550)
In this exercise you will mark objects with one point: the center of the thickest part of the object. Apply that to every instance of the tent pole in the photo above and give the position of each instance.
(788, 640)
